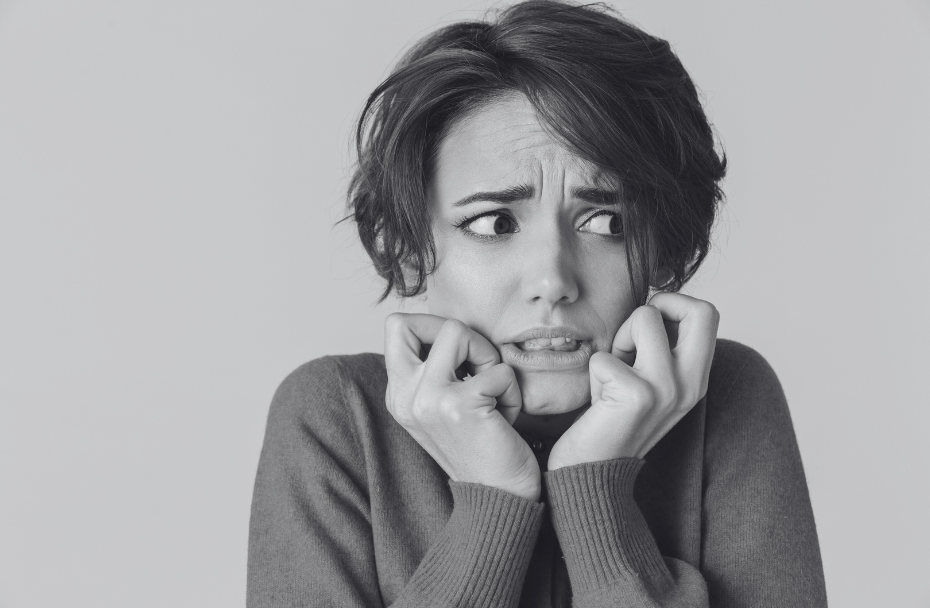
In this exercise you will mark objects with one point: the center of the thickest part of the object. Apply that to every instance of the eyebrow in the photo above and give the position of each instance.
(501, 197)
(595, 196)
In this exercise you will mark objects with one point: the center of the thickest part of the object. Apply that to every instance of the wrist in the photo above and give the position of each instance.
(527, 488)
(528, 491)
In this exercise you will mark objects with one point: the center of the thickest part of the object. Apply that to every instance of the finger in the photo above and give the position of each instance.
(455, 344)
(643, 334)
(405, 335)
(465, 369)
(697, 323)
(499, 382)
(605, 369)
(697, 338)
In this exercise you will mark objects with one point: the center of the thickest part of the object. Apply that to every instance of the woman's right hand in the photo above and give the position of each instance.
(465, 425)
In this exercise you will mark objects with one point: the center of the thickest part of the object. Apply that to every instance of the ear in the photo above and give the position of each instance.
(660, 277)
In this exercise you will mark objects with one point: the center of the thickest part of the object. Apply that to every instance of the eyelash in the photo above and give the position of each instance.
(462, 224)
(606, 212)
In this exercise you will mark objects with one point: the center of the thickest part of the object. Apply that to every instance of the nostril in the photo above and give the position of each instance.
(549, 276)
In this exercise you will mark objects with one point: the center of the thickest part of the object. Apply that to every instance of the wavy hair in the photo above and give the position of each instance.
(610, 92)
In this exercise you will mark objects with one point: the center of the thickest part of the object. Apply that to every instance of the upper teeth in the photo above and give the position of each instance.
(548, 341)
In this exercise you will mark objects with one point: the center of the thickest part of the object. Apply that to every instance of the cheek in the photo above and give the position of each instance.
(467, 285)
(609, 293)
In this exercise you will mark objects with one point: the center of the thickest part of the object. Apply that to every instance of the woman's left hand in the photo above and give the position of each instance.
(646, 384)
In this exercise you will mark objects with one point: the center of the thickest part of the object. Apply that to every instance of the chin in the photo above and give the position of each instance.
(546, 393)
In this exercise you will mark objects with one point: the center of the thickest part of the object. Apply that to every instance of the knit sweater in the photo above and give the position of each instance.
(349, 510)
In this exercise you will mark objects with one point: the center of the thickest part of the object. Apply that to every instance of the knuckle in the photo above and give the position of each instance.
(448, 408)
(394, 322)
(419, 410)
(454, 328)
(428, 410)
(707, 310)
(641, 394)
(647, 313)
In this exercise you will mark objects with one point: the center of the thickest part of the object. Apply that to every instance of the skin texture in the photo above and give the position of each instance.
(549, 273)
(557, 260)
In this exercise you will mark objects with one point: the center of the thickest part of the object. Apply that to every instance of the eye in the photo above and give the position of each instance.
(604, 222)
(490, 224)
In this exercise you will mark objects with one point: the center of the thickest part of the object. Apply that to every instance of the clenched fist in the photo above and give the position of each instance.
(464, 424)
(645, 385)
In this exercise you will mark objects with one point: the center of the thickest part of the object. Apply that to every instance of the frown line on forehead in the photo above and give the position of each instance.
(596, 196)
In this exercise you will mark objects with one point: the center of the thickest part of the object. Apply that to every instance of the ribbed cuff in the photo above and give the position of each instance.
(602, 532)
(481, 556)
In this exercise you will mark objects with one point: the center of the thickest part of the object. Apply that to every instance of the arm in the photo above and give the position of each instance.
(656, 371)
(611, 555)
(310, 541)
(759, 543)
(481, 556)
(310, 532)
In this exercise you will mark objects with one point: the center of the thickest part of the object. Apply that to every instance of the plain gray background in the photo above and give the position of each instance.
(169, 175)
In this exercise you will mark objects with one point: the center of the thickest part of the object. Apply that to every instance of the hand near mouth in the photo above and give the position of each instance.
(643, 387)
(464, 424)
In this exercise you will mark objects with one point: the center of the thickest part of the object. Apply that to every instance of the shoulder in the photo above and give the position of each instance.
(328, 390)
(744, 395)
(336, 368)
(332, 374)
(737, 366)
(732, 357)
(758, 539)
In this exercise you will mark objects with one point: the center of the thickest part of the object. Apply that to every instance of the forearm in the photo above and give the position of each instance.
(612, 557)
(481, 556)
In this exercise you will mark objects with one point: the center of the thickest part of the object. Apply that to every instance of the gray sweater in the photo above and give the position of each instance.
(348, 510)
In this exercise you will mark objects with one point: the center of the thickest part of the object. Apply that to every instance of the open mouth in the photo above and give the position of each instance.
(559, 344)
(550, 354)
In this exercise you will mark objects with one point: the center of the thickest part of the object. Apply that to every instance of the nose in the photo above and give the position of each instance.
(549, 273)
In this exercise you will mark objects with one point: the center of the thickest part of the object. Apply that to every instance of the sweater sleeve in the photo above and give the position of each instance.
(310, 537)
(611, 555)
(759, 542)
(481, 556)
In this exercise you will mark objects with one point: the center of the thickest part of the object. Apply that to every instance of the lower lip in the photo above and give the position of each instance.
(546, 359)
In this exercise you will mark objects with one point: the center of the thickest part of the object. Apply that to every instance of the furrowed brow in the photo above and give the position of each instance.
(597, 196)
(501, 197)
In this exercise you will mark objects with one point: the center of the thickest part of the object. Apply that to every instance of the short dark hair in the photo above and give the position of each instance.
(612, 93)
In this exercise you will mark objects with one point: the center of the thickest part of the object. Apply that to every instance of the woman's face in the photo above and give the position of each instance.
(530, 251)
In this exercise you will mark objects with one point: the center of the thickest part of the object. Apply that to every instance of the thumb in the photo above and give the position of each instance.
(499, 382)
(607, 374)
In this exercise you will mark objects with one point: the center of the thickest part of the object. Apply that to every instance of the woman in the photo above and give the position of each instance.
(544, 437)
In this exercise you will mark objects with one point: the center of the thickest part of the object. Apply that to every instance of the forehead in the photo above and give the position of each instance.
(503, 143)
